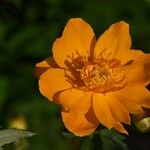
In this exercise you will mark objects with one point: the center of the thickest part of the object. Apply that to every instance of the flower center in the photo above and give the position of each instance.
(103, 76)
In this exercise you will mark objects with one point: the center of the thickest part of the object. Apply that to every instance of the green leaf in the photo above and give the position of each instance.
(4, 82)
(93, 142)
(86, 144)
(24, 36)
(11, 135)
(112, 134)
(68, 135)
(114, 138)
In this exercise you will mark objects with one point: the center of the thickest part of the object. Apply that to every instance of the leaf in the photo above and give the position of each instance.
(86, 144)
(11, 135)
(93, 142)
(4, 82)
(112, 134)
(68, 135)
(114, 137)
(23, 36)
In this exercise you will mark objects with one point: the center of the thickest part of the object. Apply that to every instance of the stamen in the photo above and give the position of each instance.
(103, 76)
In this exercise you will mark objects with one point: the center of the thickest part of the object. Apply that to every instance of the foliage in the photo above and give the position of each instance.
(27, 31)
(11, 135)
(103, 139)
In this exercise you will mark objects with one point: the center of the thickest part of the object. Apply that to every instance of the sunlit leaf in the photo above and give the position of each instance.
(11, 135)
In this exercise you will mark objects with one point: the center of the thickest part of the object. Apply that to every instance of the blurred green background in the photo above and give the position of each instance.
(27, 31)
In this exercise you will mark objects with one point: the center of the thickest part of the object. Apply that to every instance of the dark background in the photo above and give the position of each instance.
(27, 31)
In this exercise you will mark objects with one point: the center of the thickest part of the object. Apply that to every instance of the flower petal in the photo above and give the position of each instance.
(139, 70)
(119, 113)
(52, 82)
(119, 127)
(78, 123)
(139, 56)
(114, 42)
(77, 40)
(132, 98)
(75, 99)
(102, 110)
(130, 106)
(44, 65)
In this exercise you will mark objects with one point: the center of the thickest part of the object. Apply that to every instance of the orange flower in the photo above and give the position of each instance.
(95, 82)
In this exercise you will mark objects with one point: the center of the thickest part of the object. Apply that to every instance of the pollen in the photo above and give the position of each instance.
(103, 76)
